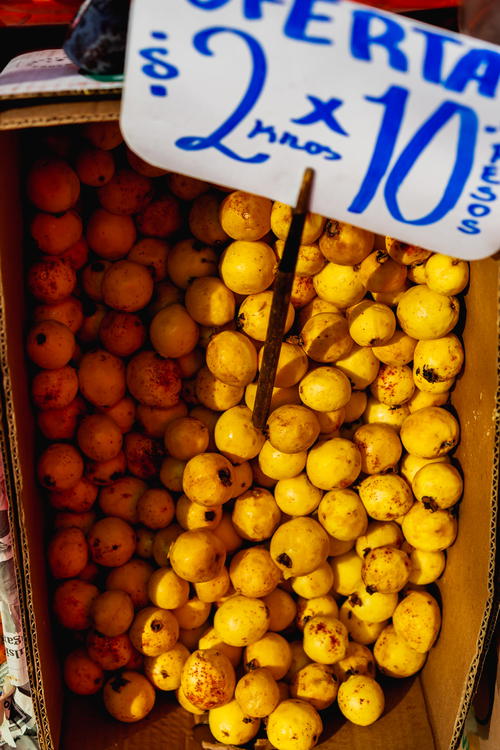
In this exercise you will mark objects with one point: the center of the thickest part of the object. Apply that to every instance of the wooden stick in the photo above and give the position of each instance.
(279, 307)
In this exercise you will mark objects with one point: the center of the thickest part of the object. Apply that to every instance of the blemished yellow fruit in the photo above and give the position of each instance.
(282, 609)
(385, 496)
(310, 259)
(164, 671)
(345, 244)
(171, 471)
(270, 651)
(188, 260)
(371, 323)
(291, 428)
(315, 307)
(359, 630)
(439, 359)
(378, 413)
(209, 302)
(231, 726)
(208, 678)
(299, 546)
(128, 696)
(397, 351)
(341, 285)
(417, 620)
(342, 514)
(429, 530)
(316, 583)
(253, 315)
(243, 478)
(253, 572)
(325, 639)
(446, 275)
(299, 659)
(380, 273)
(292, 364)
(339, 547)
(432, 386)
(241, 620)
(232, 358)
(186, 437)
(112, 612)
(425, 314)
(391, 298)
(214, 589)
(294, 725)
(281, 218)
(211, 639)
(334, 463)
(257, 693)
(394, 384)
(164, 538)
(192, 516)
(192, 614)
(404, 253)
(213, 393)
(386, 569)
(154, 631)
(361, 367)
(317, 684)
(236, 437)
(372, 607)
(317, 605)
(296, 496)
(361, 700)
(416, 272)
(426, 567)
(437, 485)
(227, 533)
(325, 337)
(279, 465)
(331, 421)
(197, 556)
(208, 479)
(379, 446)
(167, 590)
(173, 332)
(358, 660)
(379, 534)
(279, 396)
(346, 571)
(422, 399)
(430, 432)
(248, 267)
(325, 389)
(244, 216)
(410, 464)
(394, 657)
(256, 515)
(186, 704)
(355, 407)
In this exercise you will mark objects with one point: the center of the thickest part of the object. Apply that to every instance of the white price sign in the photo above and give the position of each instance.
(400, 120)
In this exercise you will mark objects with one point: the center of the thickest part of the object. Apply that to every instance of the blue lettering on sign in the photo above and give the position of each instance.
(322, 112)
(156, 67)
(483, 193)
(480, 65)
(252, 8)
(434, 53)
(290, 139)
(363, 38)
(299, 17)
(255, 86)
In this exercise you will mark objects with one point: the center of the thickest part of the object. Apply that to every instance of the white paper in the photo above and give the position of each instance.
(46, 72)
(332, 85)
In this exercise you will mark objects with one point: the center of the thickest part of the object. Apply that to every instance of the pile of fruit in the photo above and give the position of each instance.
(260, 576)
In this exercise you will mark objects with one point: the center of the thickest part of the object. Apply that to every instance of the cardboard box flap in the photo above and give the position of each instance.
(58, 113)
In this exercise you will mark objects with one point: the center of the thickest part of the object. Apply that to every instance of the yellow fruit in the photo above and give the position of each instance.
(208, 479)
(316, 583)
(325, 337)
(282, 609)
(299, 546)
(241, 620)
(279, 465)
(417, 620)
(380, 448)
(214, 589)
(377, 413)
(317, 684)
(315, 307)
(256, 515)
(253, 315)
(208, 679)
(382, 274)
(294, 725)
(214, 393)
(325, 639)
(209, 302)
(334, 463)
(270, 651)
(231, 726)
(281, 218)
(437, 485)
(430, 432)
(372, 607)
(227, 533)
(317, 605)
(426, 567)
(154, 631)
(257, 693)
(371, 323)
(253, 572)
(416, 272)
(429, 530)
(397, 351)
(360, 631)
(173, 332)
(248, 267)
(331, 421)
(361, 367)
(164, 671)
(186, 704)
(346, 571)
(379, 534)
(404, 253)
(204, 220)
(425, 314)
(355, 407)
(385, 496)
(186, 437)
(296, 496)
(164, 538)
(167, 590)
(361, 700)
(393, 655)
(244, 216)
(236, 437)
(112, 612)
(341, 285)
(192, 614)
(299, 659)
(310, 259)
(292, 365)
(171, 472)
(345, 244)
(342, 514)
(279, 396)
(292, 428)
(394, 385)
(339, 547)
(386, 569)
(243, 478)
(211, 639)
(446, 275)
(325, 389)
(197, 556)
(358, 660)
(128, 696)
(438, 360)
(232, 358)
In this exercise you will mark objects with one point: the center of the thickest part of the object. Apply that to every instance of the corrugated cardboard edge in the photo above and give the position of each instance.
(490, 614)
(59, 113)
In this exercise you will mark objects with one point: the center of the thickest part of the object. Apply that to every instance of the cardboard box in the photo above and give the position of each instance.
(423, 713)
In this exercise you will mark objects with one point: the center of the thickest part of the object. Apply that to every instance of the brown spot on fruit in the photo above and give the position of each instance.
(285, 560)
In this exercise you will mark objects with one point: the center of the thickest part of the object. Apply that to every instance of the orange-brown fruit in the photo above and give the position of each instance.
(109, 235)
(106, 135)
(132, 578)
(120, 499)
(153, 380)
(173, 331)
(78, 499)
(61, 424)
(186, 437)
(50, 344)
(72, 604)
(204, 220)
(190, 259)
(103, 473)
(161, 218)
(90, 573)
(110, 652)
(186, 188)
(82, 674)
(51, 280)
(122, 333)
(92, 278)
(165, 294)
(59, 467)
(144, 455)
(156, 508)
(54, 234)
(127, 286)
(303, 291)
(123, 413)
(126, 193)
(154, 420)
(93, 315)
(76, 255)
(69, 312)
(99, 437)
(52, 185)
(111, 542)
(143, 167)
(101, 376)
(54, 389)
(95, 166)
(82, 521)
(58, 139)
(152, 253)
(67, 552)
